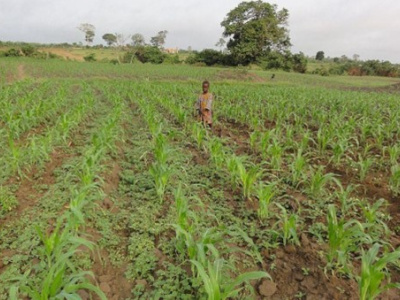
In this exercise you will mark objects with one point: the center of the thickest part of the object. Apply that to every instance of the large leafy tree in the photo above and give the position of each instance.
(254, 29)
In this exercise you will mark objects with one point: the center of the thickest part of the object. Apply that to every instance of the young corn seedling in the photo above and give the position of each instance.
(364, 165)
(216, 151)
(265, 141)
(218, 285)
(374, 278)
(161, 174)
(16, 157)
(289, 227)
(182, 209)
(395, 179)
(265, 194)
(344, 196)
(254, 138)
(275, 152)
(61, 279)
(339, 149)
(199, 134)
(375, 225)
(318, 181)
(394, 153)
(232, 163)
(297, 168)
(343, 238)
(247, 178)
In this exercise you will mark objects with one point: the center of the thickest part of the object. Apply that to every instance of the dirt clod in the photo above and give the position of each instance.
(267, 288)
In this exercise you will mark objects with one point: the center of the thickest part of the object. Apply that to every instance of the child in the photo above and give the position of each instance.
(204, 105)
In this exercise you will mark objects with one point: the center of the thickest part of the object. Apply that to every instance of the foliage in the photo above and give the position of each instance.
(320, 55)
(255, 28)
(90, 57)
(373, 272)
(89, 31)
(158, 41)
(109, 38)
(150, 54)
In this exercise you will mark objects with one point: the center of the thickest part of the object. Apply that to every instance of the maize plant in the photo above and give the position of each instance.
(297, 168)
(161, 174)
(219, 286)
(374, 278)
(289, 226)
(247, 178)
(265, 194)
(395, 179)
(343, 239)
(318, 181)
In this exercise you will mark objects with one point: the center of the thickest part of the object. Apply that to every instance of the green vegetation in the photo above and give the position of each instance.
(109, 187)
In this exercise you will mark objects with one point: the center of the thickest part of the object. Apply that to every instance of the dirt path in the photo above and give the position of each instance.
(21, 72)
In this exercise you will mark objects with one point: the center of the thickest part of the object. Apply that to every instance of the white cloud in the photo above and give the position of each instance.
(369, 28)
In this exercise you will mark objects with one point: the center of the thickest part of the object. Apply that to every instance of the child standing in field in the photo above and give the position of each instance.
(204, 105)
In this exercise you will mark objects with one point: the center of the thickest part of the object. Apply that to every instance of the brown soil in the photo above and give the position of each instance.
(298, 269)
(21, 72)
(109, 278)
(27, 196)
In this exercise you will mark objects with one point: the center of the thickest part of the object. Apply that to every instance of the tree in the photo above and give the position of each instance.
(221, 43)
(121, 39)
(89, 31)
(320, 55)
(138, 40)
(159, 40)
(299, 62)
(255, 28)
(110, 39)
(356, 57)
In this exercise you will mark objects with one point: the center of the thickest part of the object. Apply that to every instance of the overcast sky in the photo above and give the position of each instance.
(369, 28)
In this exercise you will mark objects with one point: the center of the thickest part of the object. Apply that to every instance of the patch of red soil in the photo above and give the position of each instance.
(109, 278)
(298, 272)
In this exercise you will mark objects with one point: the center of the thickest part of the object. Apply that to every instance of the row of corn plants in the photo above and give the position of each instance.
(61, 247)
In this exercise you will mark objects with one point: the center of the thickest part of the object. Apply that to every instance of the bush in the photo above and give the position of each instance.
(28, 50)
(172, 59)
(299, 63)
(90, 58)
(276, 60)
(149, 54)
(12, 53)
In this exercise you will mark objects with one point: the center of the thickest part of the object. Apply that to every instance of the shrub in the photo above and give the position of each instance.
(12, 53)
(90, 58)
(149, 54)
(28, 50)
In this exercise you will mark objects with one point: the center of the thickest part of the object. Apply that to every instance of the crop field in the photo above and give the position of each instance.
(110, 188)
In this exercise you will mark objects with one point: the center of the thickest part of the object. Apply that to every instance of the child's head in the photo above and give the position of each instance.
(206, 86)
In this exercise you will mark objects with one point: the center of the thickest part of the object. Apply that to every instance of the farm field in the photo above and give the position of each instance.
(110, 189)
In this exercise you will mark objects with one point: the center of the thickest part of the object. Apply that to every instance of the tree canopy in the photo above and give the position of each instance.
(320, 55)
(138, 40)
(159, 40)
(110, 39)
(254, 29)
(89, 31)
